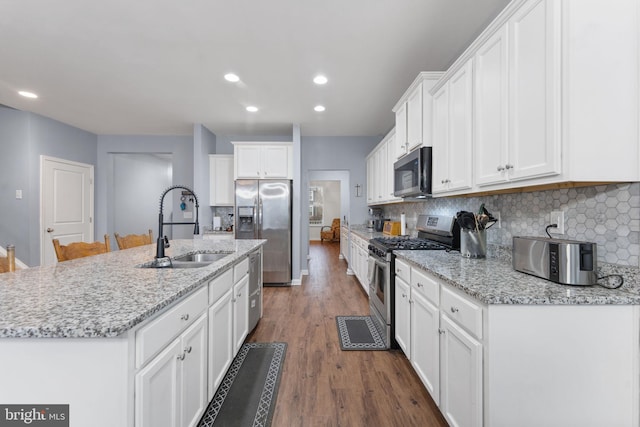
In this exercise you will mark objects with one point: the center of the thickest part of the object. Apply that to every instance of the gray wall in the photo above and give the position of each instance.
(204, 143)
(181, 149)
(24, 137)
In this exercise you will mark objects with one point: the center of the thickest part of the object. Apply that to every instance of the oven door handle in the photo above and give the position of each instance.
(373, 262)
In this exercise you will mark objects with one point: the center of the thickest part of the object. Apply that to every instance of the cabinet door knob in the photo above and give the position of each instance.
(507, 166)
(188, 349)
(184, 317)
(420, 285)
(454, 309)
(181, 356)
(440, 331)
(404, 295)
(500, 168)
(49, 230)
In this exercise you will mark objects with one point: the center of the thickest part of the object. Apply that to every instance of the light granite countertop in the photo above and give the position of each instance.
(104, 295)
(494, 281)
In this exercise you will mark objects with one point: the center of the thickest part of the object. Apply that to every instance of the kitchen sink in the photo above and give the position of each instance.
(188, 261)
(200, 258)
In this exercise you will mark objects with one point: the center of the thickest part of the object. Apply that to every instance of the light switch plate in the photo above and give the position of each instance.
(18, 194)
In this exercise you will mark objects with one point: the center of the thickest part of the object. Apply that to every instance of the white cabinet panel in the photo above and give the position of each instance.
(240, 312)
(414, 118)
(221, 189)
(401, 131)
(403, 316)
(194, 373)
(220, 340)
(425, 343)
(461, 376)
(263, 161)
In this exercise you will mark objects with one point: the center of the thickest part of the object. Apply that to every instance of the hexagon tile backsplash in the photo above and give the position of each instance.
(607, 214)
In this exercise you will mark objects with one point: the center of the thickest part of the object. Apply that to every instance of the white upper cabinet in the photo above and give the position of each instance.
(452, 137)
(380, 171)
(414, 118)
(263, 160)
(534, 77)
(401, 146)
(556, 98)
(413, 115)
(490, 108)
(221, 180)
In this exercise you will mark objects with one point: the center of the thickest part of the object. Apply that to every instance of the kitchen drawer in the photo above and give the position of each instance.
(240, 270)
(156, 335)
(426, 286)
(403, 270)
(220, 285)
(462, 310)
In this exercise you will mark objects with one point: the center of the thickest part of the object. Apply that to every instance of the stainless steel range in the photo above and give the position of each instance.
(435, 232)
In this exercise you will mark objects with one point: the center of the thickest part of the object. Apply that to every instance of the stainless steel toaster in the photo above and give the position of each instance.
(568, 262)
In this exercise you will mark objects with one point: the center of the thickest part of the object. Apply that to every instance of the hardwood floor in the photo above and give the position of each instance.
(322, 385)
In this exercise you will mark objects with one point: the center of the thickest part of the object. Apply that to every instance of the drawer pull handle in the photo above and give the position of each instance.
(440, 331)
(181, 356)
(404, 295)
(184, 317)
(188, 349)
(454, 309)
(420, 285)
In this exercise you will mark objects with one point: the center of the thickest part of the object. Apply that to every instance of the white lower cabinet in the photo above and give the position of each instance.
(403, 316)
(425, 348)
(240, 312)
(359, 262)
(171, 390)
(460, 375)
(434, 327)
(220, 340)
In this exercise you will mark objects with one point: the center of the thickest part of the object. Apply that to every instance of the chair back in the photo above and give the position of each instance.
(335, 225)
(80, 249)
(133, 240)
(8, 263)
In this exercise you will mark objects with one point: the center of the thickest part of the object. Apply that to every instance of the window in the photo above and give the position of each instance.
(315, 205)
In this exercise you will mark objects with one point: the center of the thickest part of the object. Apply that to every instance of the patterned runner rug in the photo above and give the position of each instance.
(247, 394)
(358, 333)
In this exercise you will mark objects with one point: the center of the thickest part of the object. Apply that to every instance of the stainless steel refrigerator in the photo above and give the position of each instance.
(263, 211)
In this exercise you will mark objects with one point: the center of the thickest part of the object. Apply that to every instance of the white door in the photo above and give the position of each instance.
(240, 312)
(66, 204)
(194, 373)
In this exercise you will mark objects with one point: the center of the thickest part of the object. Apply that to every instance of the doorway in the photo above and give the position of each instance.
(66, 204)
(137, 181)
(324, 205)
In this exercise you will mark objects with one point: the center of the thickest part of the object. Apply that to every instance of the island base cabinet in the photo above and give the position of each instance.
(171, 390)
(572, 365)
(461, 376)
(240, 312)
(220, 340)
(91, 375)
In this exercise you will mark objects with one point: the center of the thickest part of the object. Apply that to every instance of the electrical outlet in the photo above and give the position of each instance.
(557, 217)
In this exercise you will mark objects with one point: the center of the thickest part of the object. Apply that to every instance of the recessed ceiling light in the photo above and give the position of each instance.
(28, 94)
(231, 78)
(319, 108)
(320, 80)
(252, 109)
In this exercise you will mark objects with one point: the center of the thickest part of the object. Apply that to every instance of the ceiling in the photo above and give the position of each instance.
(156, 67)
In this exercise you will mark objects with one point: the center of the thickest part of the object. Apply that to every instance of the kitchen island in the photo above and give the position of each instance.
(90, 332)
(496, 347)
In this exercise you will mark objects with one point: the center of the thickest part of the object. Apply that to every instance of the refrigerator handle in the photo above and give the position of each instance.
(260, 213)
(256, 216)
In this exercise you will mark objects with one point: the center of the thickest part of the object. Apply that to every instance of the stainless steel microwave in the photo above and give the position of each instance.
(412, 174)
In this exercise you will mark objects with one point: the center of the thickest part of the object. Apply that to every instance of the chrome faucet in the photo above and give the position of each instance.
(163, 242)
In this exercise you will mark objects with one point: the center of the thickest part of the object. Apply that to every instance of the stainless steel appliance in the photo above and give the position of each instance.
(376, 220)
(434, 233)
(412, 174)
(255, 289)
(568, 262)
(263, 211)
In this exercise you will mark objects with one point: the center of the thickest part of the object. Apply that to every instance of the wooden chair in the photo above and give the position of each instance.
(133, 240)
(80, 249)
(333, 232)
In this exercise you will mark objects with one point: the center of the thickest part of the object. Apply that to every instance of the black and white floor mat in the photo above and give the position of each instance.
(247, 394)
(359, 333)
